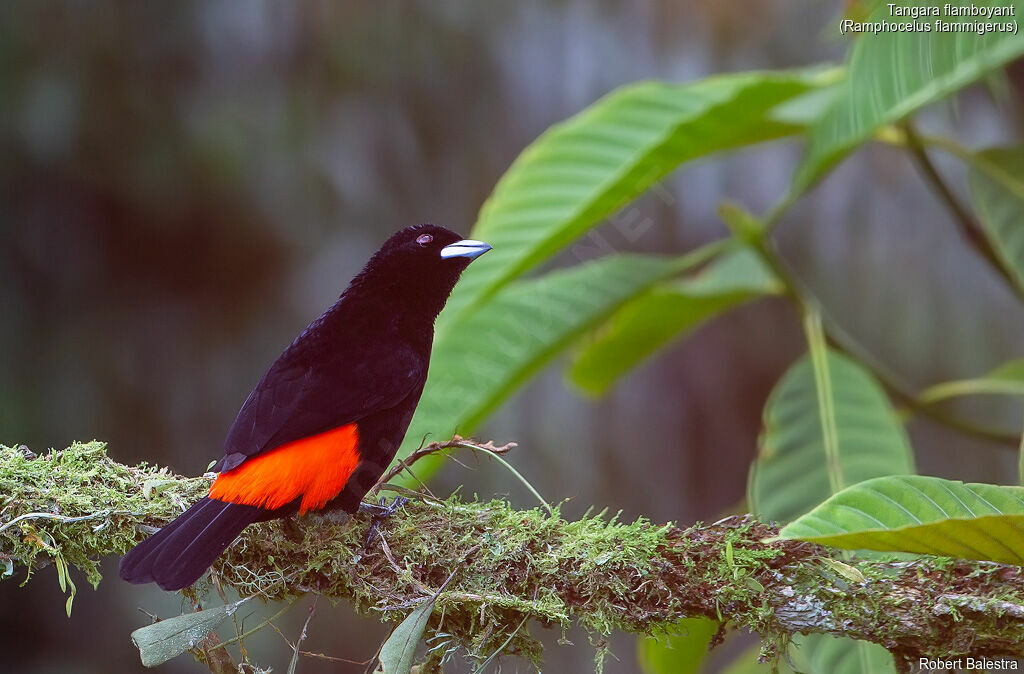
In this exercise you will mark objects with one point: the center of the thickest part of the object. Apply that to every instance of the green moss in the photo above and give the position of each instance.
(81, 481)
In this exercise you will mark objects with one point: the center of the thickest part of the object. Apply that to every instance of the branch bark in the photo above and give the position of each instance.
(599, 573)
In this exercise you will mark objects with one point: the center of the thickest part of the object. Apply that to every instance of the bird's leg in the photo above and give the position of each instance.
(379, 513)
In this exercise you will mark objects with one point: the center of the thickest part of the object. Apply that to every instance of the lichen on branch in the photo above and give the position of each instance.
(79, 505)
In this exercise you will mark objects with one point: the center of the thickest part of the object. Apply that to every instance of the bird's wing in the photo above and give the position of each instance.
(302, 394)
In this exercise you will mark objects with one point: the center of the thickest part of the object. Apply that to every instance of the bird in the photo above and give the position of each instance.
(328, 416)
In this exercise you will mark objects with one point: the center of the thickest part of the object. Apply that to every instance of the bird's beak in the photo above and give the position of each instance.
(465, 248)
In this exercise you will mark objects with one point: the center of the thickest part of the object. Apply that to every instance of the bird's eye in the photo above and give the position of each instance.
(424, 239)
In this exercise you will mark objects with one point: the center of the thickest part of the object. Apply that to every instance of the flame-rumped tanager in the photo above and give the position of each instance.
(326, 419)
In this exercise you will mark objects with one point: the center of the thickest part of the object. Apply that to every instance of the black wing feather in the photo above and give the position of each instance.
(306, 392)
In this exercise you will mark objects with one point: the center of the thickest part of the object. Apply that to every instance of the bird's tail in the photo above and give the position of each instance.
(177, 555)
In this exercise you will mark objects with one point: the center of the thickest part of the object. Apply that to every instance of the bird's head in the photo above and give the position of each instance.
(419, 265)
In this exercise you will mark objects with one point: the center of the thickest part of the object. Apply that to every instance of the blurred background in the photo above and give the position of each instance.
(185, 185)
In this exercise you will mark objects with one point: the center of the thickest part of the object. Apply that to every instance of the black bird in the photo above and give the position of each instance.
(326, 419)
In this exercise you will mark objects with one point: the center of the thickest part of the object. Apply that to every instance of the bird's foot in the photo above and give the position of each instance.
(382, 511)
(379, 513)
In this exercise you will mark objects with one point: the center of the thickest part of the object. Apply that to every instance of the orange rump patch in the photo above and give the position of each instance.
(315, 468)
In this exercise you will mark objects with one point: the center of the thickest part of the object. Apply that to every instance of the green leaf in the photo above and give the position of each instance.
(850, 573)
(892, 74)
(65, 582)
(1007, 379)
(679, 654)
(586, 168)
(808, 108)
(62, 572)
(668, 311)
(914, 513)
(397, 653)
(824, 431)
(71, 596)
(824, 654)
(996, 180)
(499, 345)
(161, 641)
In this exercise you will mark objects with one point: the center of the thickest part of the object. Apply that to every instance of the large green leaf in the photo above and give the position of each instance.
(825, 428)
(914, 513)
(996, 180)
(824, 654)
(892, 74)
(683, 653)
(665, 312)
(501, 343)
(1007, 379)
(586, 168)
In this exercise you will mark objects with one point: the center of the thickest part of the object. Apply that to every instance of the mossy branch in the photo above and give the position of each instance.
(77, 505)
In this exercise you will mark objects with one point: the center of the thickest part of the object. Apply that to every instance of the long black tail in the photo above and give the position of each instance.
(177, 555)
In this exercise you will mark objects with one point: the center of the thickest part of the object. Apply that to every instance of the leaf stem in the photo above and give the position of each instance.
(970, 228)
(823, 390)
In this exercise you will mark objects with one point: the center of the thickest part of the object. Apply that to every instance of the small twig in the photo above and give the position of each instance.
(256, 629)
(451, 457)
(322, 656)
(456, 442)
(412, 494)
(281, 634)
(332, 658)
(387, 553)
(487, 446)
(152, 616)
(302, 636)
(423, 485)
